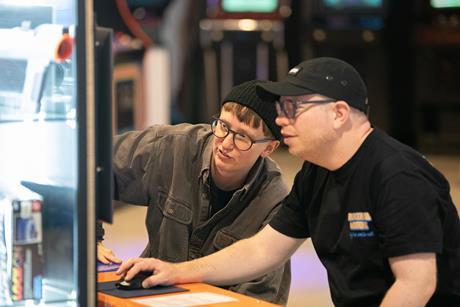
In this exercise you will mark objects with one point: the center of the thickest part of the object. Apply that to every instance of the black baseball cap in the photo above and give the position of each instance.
(326, 76)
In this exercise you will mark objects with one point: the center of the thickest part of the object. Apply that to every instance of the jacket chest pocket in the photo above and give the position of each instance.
(169, 229)
(174, 209)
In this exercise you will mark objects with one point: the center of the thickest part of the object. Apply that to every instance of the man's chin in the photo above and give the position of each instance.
(292, 150)
(224, 168)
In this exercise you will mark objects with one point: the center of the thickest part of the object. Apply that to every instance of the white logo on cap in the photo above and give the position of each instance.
(294, 71)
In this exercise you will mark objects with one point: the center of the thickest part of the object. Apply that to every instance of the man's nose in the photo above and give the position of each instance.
(227, 142)
(281, 120)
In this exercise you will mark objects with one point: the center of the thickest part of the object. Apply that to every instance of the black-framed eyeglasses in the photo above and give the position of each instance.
(288, 107)
(242, 141)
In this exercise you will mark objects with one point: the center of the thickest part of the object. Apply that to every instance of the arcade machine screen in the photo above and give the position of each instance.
(445, 4)
(353, 4)
(244, 6)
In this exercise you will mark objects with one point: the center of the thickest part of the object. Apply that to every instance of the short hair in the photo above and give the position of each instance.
(248, 116)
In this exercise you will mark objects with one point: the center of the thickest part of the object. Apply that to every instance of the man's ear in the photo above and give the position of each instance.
(341, 113)
(271, 147)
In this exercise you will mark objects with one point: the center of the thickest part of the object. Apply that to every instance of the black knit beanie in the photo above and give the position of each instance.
(245, 94)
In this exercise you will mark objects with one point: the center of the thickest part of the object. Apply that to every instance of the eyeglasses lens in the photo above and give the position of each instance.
(219, 129)
(286, 108)
(241, 141)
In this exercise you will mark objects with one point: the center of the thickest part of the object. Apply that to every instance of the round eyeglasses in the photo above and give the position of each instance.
(288, 108)
(243, 142)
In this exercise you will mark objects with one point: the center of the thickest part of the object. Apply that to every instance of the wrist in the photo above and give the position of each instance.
(187, 272)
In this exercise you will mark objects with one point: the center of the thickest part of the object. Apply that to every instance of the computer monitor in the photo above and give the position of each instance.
(104, 132)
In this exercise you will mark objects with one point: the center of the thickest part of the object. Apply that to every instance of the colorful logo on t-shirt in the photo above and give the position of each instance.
(359, 224)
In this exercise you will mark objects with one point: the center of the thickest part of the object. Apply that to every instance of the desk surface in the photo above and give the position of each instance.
(105, 300)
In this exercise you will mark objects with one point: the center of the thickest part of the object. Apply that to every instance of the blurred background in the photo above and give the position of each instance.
(175, 60)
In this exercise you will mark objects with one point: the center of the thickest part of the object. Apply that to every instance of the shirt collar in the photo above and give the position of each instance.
(206, 160)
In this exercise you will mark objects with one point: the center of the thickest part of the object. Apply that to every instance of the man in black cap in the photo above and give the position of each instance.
(206, 186)
(379, 214)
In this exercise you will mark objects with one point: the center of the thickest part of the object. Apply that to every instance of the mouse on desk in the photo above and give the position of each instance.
(135, 283)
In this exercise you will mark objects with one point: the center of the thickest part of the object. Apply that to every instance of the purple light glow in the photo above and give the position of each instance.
(307, 271)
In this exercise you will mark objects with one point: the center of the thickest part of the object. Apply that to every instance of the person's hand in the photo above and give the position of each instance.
(163, 273)
(105, 255)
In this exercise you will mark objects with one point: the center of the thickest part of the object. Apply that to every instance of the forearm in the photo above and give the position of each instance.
(242, 261)
(408, 294)
(227, 267)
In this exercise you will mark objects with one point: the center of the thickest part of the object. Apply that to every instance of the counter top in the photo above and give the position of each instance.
(105, 300)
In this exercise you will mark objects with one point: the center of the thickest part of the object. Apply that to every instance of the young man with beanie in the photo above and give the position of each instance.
(379, 214)
(207, 186)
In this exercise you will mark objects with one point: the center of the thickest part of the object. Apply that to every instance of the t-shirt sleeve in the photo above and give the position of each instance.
(291, 219)
(406, 215)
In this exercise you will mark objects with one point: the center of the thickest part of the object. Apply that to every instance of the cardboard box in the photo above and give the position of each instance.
(21, 249)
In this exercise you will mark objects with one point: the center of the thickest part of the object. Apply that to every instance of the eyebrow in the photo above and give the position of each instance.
(238, 130)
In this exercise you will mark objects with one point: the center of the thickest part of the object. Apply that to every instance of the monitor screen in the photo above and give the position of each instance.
(353, 4)
(253, 6)
(442, 4)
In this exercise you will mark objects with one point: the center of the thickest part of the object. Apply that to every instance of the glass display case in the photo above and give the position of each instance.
(50, 164)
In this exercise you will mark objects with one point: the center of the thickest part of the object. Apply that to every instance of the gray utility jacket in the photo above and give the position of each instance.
(167, 167)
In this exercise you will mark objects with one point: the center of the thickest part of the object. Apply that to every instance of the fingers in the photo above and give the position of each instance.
(156, 280)
(102, 253)
(102, 259)
(142, 265)
(105, 255)
(164, 273)
(161, 271)
(112, 258)
(152, 281)
(126, 266)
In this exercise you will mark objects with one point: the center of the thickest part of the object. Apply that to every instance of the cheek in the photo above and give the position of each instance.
(216, 142)
(308, 133)
(311, 125)
(303, 128)
(252, 155)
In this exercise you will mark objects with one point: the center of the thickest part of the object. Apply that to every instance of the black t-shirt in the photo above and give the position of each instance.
(219, 198)
(386, 201)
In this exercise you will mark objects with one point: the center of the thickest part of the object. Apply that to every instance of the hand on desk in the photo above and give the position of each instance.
(106, 255)
(163, 273)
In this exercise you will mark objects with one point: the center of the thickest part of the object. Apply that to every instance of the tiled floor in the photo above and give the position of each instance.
(127, 235)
